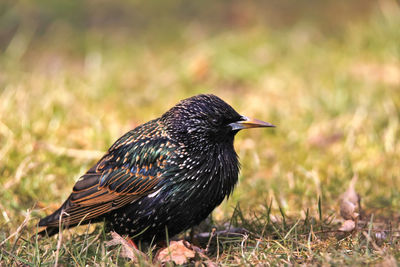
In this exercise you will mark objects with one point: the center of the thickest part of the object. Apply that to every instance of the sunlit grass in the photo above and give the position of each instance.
(335, 100)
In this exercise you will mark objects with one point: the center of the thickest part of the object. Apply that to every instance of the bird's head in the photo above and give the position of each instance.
(205, 118)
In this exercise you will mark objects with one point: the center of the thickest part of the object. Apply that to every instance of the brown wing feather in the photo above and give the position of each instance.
(114, 182)
(91, 202)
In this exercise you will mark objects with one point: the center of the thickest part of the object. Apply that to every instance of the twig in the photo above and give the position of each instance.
(245, 237)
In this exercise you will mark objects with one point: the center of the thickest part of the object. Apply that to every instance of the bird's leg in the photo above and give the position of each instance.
(130, 242)
(191, 234)
(211, 237)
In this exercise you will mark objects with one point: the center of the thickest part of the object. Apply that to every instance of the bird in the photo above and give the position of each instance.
(163, 177)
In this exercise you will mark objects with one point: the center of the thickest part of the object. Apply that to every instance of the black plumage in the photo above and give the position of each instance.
(169, 173)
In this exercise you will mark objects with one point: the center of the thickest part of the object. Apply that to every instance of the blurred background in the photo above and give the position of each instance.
(75, 75)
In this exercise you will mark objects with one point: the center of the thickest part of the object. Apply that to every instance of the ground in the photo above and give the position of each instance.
(66, 93)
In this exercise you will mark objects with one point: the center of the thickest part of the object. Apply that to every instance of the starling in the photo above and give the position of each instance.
(165, 175)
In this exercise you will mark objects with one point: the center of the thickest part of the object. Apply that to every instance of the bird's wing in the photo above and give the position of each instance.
(133, 167)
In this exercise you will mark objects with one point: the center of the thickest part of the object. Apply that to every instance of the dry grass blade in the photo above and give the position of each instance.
(19, 229)
(60, 237)
(127, 250)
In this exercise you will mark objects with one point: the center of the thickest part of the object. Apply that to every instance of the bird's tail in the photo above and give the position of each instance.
(53, 221)
(49, 231)
(60, 219)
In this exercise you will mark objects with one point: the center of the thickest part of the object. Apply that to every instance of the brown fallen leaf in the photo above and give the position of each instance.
(350, 201)
(350, 194)
(348, 226)
(127, 250)
(347, 210)
(177, 252)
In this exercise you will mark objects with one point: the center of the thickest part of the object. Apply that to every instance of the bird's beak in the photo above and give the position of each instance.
(247, 123)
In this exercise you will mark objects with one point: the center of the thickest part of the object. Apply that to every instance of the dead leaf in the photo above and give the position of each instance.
(348, 226)
(127, 250)
(347, 210)
(350, 194)
(177, 252)
(350, 201)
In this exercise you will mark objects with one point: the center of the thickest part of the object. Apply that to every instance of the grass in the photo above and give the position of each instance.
(66, 96)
